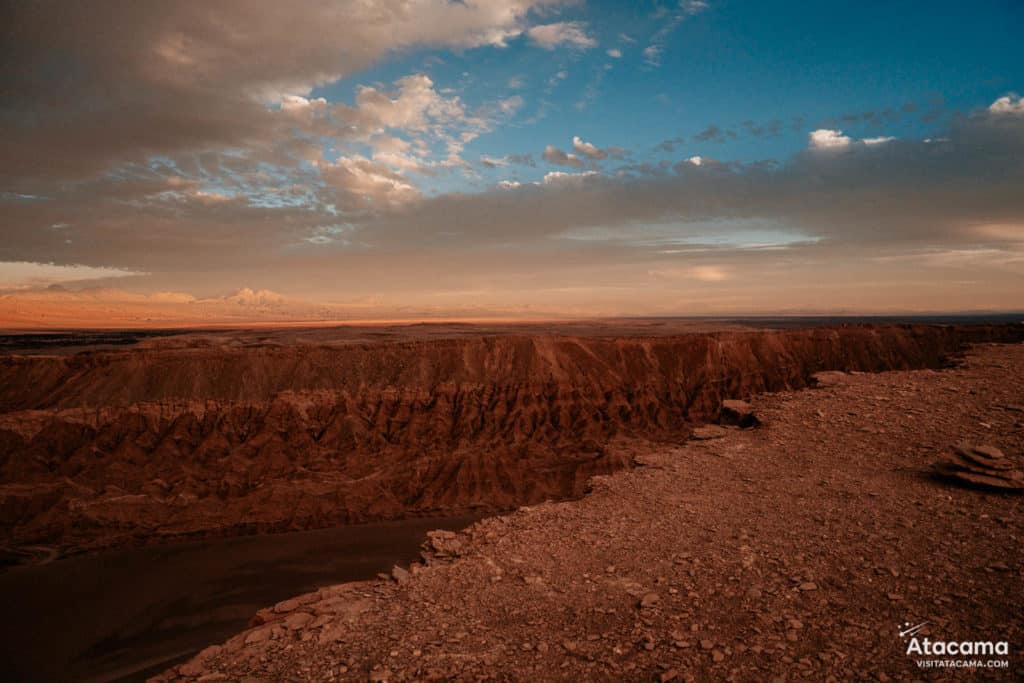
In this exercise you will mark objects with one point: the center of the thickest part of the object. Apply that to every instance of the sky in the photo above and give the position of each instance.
(518, 157)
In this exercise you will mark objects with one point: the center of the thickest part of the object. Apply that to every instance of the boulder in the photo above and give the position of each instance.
(738, 413)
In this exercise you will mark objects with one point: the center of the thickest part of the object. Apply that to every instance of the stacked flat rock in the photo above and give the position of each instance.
(981, 467)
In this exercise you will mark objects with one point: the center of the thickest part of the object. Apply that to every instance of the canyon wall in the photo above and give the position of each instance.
(104, 448)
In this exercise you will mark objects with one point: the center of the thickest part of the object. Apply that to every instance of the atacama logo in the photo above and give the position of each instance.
(953, 654)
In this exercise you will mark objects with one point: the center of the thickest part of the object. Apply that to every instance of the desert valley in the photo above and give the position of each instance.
(511, 341)
(191, 437)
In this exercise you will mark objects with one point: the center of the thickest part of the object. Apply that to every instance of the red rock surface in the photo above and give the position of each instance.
(794, 551)
(207, 434)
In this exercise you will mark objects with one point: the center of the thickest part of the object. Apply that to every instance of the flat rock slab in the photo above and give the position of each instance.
(706, 432)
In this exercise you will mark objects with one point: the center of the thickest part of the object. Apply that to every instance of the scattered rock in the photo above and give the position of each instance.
(649, 599)
(444, 543)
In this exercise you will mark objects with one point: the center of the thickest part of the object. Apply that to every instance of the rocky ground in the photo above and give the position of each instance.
(792, 551)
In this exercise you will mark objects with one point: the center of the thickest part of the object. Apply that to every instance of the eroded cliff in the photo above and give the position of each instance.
(103, 448)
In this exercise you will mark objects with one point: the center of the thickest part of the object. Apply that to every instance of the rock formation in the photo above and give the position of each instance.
(980, 466)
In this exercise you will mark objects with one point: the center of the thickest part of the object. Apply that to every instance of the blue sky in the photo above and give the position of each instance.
(520, 156)
(768, 76)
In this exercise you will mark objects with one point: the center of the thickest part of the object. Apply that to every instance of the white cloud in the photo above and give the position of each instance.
(572, 33)
(415, 106)
(511, 105)
(587, 149)
(367, 183)
(652, 55)
(294, 104)
(615, 53)
(509, 184)
(878, 141)
(1008, 104)
(696, 160)
(693, 6)
(825, 138)
(557, 177)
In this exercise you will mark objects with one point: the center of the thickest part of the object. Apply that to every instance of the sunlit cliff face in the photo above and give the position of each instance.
(505, 158)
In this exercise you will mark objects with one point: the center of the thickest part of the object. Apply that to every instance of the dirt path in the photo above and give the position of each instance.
(795, 551)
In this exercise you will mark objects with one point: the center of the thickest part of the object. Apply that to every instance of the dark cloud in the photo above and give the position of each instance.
(714, 134)
(555, 156)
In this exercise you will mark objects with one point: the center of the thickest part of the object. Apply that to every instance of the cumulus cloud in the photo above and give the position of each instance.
(555, 156)
(825, 138)
(182, 78)
(587, 149)
(614, 53)
(364, 183)
(570, 33)
(1008, 104)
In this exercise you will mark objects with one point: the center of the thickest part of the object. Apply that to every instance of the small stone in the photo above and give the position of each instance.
(669, 675)
(706, 644)
(649, 599)
(808, 586)
(717, 655)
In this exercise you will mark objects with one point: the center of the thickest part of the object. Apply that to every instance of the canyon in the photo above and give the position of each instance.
(178, 436)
